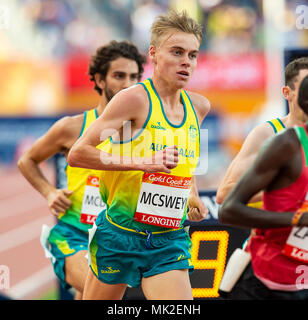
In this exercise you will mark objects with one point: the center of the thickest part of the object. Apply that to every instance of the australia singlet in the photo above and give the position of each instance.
(153, 201)
(269, 261)
(86, 199)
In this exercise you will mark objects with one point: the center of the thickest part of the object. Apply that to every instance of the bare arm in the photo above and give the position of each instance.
(201, 105)
(244, 160)
(275, 154)
(128, 105)
(197, 209)
(54, 141)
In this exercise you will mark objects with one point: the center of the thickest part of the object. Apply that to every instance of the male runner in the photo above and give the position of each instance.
(114, 67)
(140, 239)
(279, 253)
(295, 71)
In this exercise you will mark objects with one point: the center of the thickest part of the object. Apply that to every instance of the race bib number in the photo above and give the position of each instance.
(296, 246)
(162, 200)
(92, 203)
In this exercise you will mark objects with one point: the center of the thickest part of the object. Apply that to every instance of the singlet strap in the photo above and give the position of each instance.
(276, 124)
(301, 133)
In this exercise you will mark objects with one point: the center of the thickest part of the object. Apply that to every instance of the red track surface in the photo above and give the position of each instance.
(22, 212)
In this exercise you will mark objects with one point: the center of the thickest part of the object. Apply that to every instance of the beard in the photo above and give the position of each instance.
(109, 93)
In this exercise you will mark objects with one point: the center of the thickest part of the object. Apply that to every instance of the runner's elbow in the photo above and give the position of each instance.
(74, 156)
(221, 195)
(22, 162)
(223, 191)
(226, 213)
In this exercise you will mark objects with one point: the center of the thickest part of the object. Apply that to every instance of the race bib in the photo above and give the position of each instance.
(92, 203)
(296, 246)
(162, 200)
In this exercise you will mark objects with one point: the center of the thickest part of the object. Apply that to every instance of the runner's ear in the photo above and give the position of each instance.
(286, 92)
(152, 54)
(99, 81)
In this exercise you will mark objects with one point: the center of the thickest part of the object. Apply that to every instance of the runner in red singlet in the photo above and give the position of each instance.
(279, 249)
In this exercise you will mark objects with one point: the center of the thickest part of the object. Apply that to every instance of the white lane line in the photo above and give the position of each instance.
(24, 288)
(23, 234)
(20, 204)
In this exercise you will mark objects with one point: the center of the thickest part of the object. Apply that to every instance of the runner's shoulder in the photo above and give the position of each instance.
(255, 139)
(200, 102)
(288, 140)
(261, 132)
(135, 100)
(285, 143)
(69, 127)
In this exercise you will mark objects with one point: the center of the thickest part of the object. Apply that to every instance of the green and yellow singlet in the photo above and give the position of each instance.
(153, 201)
(86, 199)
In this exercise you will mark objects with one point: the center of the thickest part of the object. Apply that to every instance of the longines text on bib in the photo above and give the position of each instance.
(162, 199)
(296, 246)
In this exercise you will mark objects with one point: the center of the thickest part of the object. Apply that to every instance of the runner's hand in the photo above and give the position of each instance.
(197, 210)
(58, 201)
(162, 161)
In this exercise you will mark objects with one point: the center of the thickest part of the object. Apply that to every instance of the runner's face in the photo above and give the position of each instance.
(301, 75)
(175, 58)
(293, 97)
(121, 74)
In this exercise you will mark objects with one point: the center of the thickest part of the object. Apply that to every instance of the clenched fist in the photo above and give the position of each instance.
(58, 201)
(197, 210)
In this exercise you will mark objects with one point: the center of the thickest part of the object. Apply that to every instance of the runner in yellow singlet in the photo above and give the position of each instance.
(148, 166)
(295, 71)
(114, 67)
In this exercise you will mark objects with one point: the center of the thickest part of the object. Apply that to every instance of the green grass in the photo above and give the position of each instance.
(50, 295)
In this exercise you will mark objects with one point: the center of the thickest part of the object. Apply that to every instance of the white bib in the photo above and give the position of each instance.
(162, 200)
(92, 203)
(296, 246)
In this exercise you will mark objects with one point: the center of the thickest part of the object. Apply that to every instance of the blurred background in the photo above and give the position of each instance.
(45, 47)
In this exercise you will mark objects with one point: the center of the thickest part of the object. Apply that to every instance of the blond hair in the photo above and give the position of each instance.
(174, 20)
